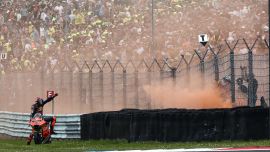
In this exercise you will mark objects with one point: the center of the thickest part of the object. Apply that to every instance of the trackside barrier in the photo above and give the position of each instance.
(16, 125)
(167, 125)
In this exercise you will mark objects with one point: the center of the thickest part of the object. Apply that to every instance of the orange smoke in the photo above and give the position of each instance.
(187, 95)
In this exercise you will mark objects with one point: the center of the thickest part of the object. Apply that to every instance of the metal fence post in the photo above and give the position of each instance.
(101, 79)
(252, 89)
(216, 64)
(232, 85)
(91, 91)
(124, 89)
(173, 70)
(161, 83)
(202, 68)
(216, 68)
(188, 75)
(136, 89)
(80, 77)
(232, 76)
(113, 88)
(71, 88)
(251, 95)
(216, 61)
(150, 85)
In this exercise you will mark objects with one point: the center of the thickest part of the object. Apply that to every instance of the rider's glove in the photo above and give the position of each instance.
(55, 95)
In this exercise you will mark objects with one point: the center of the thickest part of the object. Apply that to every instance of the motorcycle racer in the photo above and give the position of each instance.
(37, 107)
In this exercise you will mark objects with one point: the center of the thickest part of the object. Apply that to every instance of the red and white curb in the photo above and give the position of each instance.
(245, 149)
(201, 149)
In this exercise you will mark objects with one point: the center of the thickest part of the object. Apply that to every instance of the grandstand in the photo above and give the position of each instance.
(51, 31)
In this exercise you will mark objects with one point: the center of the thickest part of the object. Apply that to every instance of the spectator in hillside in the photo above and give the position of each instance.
(43, 16)
(18, 16)
(35, 9)
(72, 17)
(2, 19)
(24, 13)
(59, 8)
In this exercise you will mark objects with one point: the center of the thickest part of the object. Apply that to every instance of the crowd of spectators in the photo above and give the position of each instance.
(46, 32)
(35, 32)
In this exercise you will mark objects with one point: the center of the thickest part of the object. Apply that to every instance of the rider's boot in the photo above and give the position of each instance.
(29, 139)
(52, 125)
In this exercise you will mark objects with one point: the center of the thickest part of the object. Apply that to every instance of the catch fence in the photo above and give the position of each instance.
(113, 85)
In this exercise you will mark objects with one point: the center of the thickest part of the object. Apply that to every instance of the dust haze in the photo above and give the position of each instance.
(193, 95)
(21, 93)
(176, 31)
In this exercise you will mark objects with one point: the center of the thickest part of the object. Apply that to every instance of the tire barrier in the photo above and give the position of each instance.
(242, 123)
(15, 125)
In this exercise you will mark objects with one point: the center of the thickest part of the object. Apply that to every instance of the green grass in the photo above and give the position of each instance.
(80, 146)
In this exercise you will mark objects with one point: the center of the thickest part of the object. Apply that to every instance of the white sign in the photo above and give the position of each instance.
(50, 94)
(3, 56)
(203, 39)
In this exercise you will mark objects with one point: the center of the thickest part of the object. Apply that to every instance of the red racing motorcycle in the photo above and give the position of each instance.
(40, 130)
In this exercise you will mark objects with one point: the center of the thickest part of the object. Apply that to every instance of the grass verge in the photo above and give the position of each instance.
(12, 145)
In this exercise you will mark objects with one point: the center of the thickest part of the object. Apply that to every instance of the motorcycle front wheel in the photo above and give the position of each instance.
(37, 138)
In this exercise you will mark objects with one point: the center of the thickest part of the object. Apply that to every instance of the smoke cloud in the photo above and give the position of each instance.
(188, 95)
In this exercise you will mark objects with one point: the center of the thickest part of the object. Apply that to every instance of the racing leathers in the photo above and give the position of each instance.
(37, 107)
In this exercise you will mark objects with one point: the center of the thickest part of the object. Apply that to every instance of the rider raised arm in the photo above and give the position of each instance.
(37, 107)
